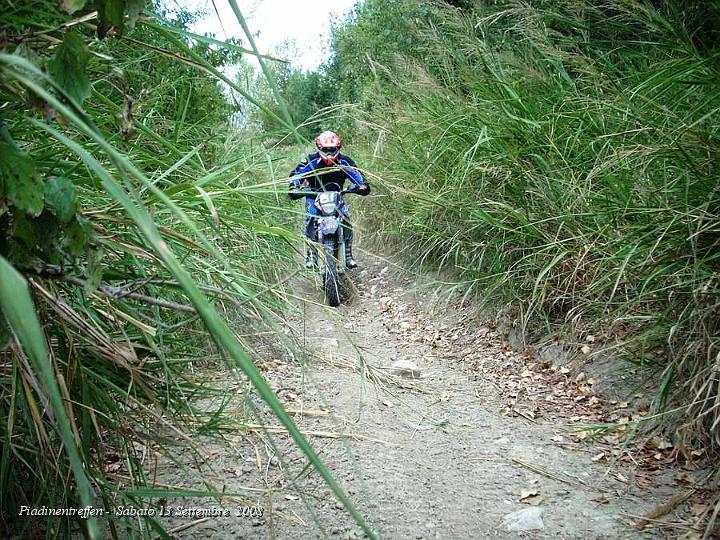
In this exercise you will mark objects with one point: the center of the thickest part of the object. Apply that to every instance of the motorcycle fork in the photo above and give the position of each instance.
(340, 250)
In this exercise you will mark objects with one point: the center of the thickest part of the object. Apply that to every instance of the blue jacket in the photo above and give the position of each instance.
(323, 177)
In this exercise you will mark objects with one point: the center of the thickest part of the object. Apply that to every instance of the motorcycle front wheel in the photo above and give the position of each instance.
(331, 280)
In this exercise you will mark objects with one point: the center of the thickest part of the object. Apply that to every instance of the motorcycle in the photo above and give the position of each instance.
(331, 235)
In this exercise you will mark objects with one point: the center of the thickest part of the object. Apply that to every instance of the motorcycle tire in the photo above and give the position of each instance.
(331, 279)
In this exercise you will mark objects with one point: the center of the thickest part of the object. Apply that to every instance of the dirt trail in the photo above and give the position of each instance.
(432, 457)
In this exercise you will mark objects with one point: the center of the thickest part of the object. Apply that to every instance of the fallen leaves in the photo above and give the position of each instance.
(662, 509)
(548, 388)
(386, 303)
(659, 443)
(699, 509)
(620, 477)
(531, 497)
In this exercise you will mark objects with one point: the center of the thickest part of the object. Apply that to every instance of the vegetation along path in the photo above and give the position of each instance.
(463, 438)
(557, 161)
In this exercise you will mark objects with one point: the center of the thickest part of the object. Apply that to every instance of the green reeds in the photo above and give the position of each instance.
(563, 158)
(149, 243)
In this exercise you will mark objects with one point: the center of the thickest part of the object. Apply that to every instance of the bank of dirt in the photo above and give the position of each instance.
(478, 433)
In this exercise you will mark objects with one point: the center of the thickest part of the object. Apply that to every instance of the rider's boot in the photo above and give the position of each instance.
(311, 259)
(349, 261)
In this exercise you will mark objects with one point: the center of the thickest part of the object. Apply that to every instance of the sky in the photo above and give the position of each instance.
(306, 22)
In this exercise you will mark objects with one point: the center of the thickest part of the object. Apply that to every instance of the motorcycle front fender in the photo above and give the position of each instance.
(328, 225)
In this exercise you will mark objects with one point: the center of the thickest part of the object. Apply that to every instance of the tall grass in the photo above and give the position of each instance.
(562, 156)
(155, 234)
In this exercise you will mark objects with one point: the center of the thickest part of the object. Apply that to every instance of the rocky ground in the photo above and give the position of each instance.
(437, 428)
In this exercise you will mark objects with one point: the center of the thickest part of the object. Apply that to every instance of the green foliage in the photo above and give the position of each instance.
(376, 35)
(128, 209)
(68, 67)
(20, 186)
(19, 311)
(125, 201)
(111, 14)
(562, 157)
(307, 94)
(60, 196)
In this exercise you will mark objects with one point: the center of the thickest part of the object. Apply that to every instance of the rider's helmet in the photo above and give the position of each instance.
(328, 144)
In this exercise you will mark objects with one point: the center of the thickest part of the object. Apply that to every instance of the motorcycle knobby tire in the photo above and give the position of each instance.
(331, 278)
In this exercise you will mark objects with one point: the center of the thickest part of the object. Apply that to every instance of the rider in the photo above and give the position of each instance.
(326, 170)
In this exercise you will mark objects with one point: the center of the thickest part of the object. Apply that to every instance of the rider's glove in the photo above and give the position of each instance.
(295, 186)
(363, 189)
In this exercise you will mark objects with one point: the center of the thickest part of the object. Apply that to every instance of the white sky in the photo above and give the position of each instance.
(306, 22)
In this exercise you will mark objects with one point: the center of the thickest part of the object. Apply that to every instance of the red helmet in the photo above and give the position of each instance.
(328, 144)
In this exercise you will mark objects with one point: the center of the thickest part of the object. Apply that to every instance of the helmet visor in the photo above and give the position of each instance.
(329, 151)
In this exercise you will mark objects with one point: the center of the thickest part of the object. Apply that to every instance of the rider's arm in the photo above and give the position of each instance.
(299, 180)
(353, 173)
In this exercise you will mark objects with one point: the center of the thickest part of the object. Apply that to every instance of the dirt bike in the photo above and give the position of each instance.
(331, 235)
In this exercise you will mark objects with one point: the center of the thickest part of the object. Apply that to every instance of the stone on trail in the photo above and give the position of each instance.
(386, 303)
(528, 519)
(405, 368)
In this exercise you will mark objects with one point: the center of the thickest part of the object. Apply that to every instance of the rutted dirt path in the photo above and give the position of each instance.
(431, 457)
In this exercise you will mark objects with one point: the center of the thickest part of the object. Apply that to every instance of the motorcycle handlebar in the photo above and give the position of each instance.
(342, 192)
(298, 192)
